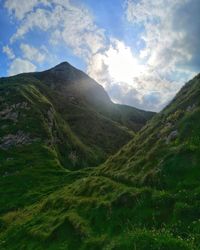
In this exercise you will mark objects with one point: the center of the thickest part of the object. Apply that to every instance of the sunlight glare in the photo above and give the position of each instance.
(122, 65)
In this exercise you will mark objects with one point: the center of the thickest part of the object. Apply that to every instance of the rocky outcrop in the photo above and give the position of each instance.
(50, 116)
(21, 105)
(190, 108)
(8, 114)
(10, 140)
(12, 112)
(73, 157)
(172, 136)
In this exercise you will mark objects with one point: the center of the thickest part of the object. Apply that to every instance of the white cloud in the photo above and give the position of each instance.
(22, 7)
(165, 46)
(19, 9)
(8, 51)
(21, 66)
(41, 18)
(117, 61)
(32, 54)
(66, 23)
(128, 81)
(80, 33)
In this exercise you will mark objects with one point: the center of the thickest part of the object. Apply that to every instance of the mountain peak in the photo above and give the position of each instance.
(62, 74)
(63, 65)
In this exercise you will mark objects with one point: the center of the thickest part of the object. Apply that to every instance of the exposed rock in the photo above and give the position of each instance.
(169, 124)
(21, 105)
(10, 140)
(190, 108)
(172, 136)
(73, 157)
(51, 123)
(166, 128)
(5, 111)
(50, 117)
(24, 105)
(50, 120)
(11, 112)
(13, 116)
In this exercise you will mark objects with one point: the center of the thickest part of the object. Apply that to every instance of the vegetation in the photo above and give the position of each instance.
(144, 197)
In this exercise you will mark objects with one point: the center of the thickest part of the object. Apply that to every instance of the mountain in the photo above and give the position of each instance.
(52, 122)
(146, 196)
(68, 111)
(75, 87)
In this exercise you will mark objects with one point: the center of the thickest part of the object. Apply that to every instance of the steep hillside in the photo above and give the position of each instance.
(74, 113)
(165, 153)
(50, 123)
(145, 197)
(78, 90)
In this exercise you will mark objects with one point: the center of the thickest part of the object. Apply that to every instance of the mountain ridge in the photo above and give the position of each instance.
(37, 120)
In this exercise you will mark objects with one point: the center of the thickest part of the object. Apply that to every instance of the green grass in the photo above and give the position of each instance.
(97, 212)
(145, 197)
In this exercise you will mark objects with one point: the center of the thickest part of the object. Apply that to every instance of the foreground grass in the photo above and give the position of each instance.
(95, 212)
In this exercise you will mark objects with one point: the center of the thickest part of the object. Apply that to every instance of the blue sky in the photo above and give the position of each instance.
(141, 51)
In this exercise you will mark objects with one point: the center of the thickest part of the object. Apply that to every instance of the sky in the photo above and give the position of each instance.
(141, 51)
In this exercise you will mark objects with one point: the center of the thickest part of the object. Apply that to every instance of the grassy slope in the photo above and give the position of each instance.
(69, 128)
(128, 116)
(98, 132)
(31, 170)
(95, 213)
(139, 199)
(150, 159)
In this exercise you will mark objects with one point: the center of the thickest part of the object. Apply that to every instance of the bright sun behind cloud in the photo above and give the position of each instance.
(122, 65)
